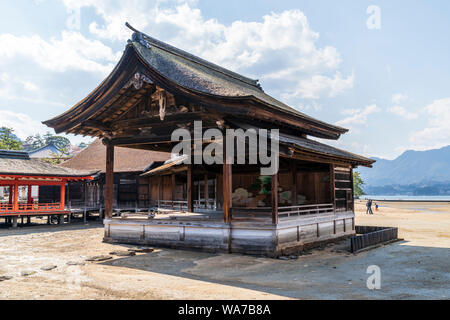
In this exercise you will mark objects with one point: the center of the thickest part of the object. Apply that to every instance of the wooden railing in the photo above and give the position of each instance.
(183, 205)
(203, 204)
(5, 207)
(30, 207)
(259, 214)
(305, 210)
(169, 204)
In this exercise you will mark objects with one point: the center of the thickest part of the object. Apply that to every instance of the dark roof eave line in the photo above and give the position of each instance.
(365, 162)
(47, 175)
(52, 123)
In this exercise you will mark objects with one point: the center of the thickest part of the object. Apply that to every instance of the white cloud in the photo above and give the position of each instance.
(357, 117)
(281, 49)
(22, 124)
(402, 112)
(318, 86)
(437, 134)
(14, 88)
(399, 98)
(72, 52)
(345, 143)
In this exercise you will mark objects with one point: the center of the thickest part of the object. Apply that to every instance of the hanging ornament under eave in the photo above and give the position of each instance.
(162, 99)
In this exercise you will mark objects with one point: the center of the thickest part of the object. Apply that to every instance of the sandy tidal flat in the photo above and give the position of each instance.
(416, 268)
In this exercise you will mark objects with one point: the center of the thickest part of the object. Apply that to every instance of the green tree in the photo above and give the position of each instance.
(37, 141)
(357, 185)
(58, 158)
(8, 140)
(61, 143)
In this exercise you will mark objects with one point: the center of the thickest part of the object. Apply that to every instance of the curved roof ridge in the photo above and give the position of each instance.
(149, 41)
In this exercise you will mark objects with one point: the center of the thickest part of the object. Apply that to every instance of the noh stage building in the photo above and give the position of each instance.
(157, 89)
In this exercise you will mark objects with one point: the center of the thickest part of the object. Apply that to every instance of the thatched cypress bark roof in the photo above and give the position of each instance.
(19, 163)
(125, 159)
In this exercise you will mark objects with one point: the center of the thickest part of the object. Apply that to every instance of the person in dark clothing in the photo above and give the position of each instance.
(369, 207)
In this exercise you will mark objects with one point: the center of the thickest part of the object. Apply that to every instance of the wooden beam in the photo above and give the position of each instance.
(109, 183)
(156, 121)
(190, 189)
(275, 199)
(294, 182)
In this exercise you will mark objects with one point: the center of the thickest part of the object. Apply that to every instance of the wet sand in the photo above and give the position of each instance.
(416, 268)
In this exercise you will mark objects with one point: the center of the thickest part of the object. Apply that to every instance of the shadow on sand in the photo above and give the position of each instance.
(409, 272)
(6, 231)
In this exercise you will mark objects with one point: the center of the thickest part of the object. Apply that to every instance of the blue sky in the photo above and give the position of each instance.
(389, 86)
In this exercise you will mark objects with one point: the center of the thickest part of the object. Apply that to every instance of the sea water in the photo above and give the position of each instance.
(407, 198)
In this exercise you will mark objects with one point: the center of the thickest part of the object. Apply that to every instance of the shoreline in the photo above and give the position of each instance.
(407, 200)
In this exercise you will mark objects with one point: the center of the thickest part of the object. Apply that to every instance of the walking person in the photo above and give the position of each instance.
(369, 207)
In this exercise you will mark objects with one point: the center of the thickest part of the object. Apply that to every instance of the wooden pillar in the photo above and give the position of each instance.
(85, 212)
(227, 191)
(352, 195)
(160, 191)
(173, 190)
(11, 192)
(294, 183)
(30, 199)
(190, 189)
(109, 183)
(62, 196)
(227, 181)
(332, 187)
(16, 197)
(275, 199)
(206, 191)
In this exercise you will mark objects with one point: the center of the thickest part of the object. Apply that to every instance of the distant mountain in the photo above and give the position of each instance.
(414, 172)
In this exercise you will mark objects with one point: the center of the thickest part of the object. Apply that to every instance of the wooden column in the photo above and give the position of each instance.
(173, 190)
(11, 192)
(16, 197)
(190, 189)
(160, 191)
(353, 191)
(227, 181)
(332, 187)
(109, 183)
(62, 196)
(275, 199)
(294, 182)
(30, 199)
(227, 191)
(206, 191)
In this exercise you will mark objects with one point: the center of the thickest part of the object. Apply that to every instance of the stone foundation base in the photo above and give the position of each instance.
(288, 237)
